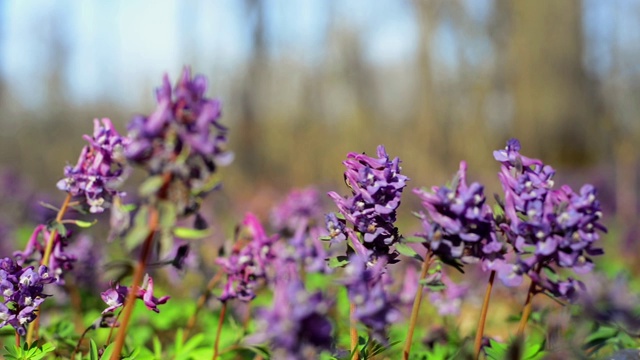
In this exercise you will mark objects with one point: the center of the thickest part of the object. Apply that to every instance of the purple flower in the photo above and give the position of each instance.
(59, 261)
(448, 301)
(22, 292)
(458, 223)
(296, 220)
(116, 296)
(99, 170)
(376, 187)
(248, 261)
(549, 228)
(297, 326)
(182, 137)
(367, 289)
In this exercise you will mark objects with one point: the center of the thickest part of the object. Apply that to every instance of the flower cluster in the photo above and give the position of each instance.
(297, 327)
(247, 263)
(458, 223)
(547, 227)
(60, 260)
(100, 168)
(115, 297)
(376, 187)
(367, 289)
(182, 137)
(22, 290)
(448, 301)
(296, 220)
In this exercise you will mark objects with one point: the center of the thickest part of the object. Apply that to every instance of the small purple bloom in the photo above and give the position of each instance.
(247, 263)
(297, 327)
(116, 296)
(367, 289)
(100, 168)
(22, 292)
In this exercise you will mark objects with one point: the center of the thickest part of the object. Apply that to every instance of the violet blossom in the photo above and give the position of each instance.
(458, 223)
(182, 137)
(100, 168)
(60, 261)
(247, 264)
(549, 228)
(376, 188)
(297, 326)
(22, 292)
(116, 296)
(367, 285)
(297, 219)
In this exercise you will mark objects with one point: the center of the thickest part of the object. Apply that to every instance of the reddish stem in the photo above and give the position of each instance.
(416, 307)
(216, 345)
(483, 316)
(137, 280)
(353, 332)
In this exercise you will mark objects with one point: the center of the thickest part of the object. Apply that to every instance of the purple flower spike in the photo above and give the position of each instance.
(22, 292)
(182, 137)
(376, 188)
(296, 219)
(366, 287)
(100, 168)
(247, 263)
(60, 261)
(458, 223)
(548, 227)
(297, 327)
(449, 300)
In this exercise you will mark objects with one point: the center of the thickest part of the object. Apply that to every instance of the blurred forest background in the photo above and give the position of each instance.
(305, 82)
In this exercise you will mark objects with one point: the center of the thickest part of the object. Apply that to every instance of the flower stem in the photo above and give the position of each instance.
(17, 339)
(32, 331)
(137, 280)
(526, 311)
(216, 344)
(113, 326)
(416, 307)
(353, 332)
(201, 301)
(483, 316)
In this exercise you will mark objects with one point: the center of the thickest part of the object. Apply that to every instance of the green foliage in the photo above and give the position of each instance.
(26, 352)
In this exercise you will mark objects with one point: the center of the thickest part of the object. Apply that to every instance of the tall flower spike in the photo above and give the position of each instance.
(548, 227)
(247, 263)
(100, 168)
(22, 292)
(182, 137)
(458, 223)
(376, 188)
(297, 327)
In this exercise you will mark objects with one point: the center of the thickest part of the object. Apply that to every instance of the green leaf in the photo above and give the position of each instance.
(83, 224)
(93, 350)
(190, 233)
(338, 261)
(157, 347)
(140, 230)
(412, 239)
(106, 355)
(151, 186)
(406, 250)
